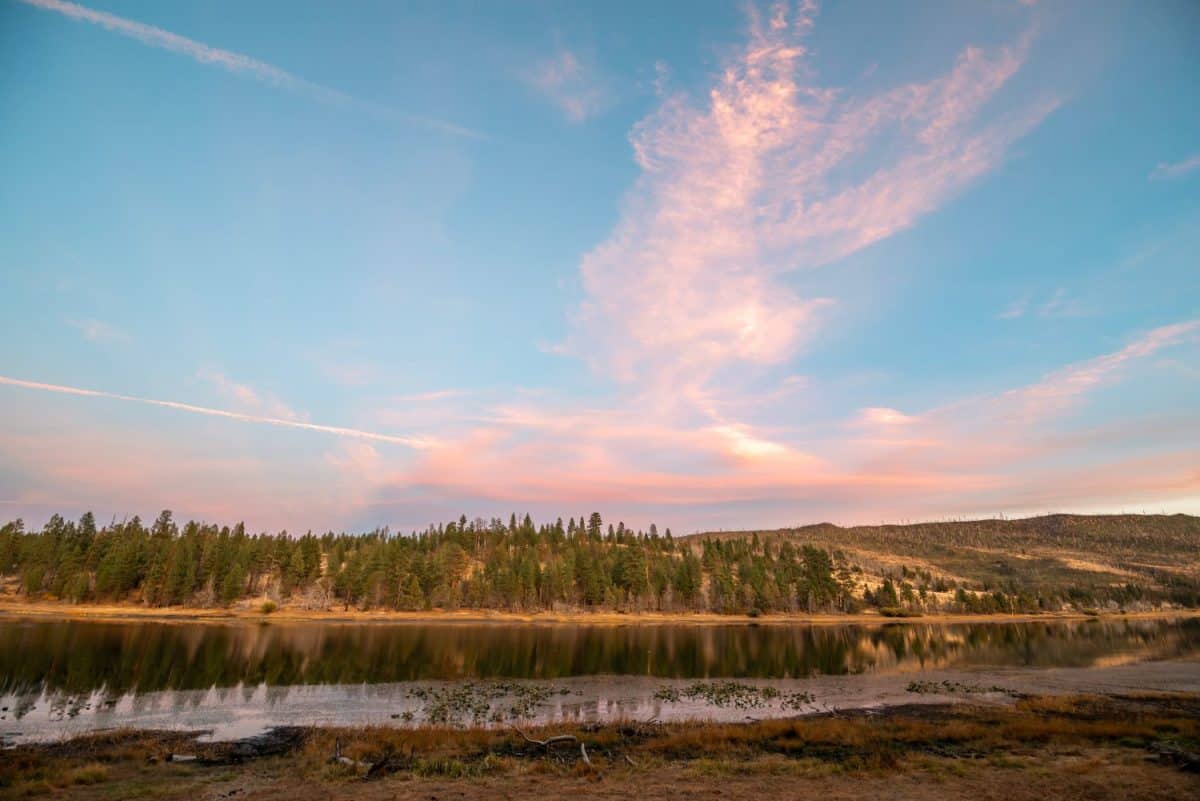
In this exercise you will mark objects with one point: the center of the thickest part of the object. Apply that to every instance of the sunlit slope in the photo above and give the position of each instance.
(1052, 550)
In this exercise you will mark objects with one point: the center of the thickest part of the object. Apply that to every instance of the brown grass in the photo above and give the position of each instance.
(1035, 742)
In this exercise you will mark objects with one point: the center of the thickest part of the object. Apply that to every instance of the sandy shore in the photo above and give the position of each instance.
(12, 607)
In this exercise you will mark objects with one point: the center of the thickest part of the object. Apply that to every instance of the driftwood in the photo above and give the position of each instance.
(273, 742)
(560, 738)
(583, 753)
(388, 764)
(1186, 761)
(345, 760)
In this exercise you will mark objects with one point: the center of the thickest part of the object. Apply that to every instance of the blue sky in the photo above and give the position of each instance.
(744, 266)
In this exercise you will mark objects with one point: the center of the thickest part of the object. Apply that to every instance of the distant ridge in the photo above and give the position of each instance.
(1062, 549)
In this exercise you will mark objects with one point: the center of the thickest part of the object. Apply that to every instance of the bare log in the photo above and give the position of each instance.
(559, 738)
(345, 760)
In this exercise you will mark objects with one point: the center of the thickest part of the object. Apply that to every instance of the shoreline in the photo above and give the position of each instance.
(497, 703)
(1079, 746)
(10, 608)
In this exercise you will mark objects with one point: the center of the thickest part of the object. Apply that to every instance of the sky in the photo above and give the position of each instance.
(336, 266)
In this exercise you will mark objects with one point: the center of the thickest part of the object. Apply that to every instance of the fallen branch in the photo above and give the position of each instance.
(559, 738)
(345, 760)
(583, 751)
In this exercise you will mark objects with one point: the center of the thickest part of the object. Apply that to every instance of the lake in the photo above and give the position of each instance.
(64, 677)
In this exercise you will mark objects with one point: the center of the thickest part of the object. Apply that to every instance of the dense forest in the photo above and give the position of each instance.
(514, 565)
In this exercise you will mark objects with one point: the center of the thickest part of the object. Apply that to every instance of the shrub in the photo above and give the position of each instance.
(896, 611)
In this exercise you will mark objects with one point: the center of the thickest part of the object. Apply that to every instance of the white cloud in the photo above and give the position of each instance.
(100, 332)
(238, 63)
(1015, 309)
(286, 422)
(1166, 170)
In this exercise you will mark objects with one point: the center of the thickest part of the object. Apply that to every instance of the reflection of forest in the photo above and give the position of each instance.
(80, 657)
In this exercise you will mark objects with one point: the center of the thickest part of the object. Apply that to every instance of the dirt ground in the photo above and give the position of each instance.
(1079, 774)
(1095, 775)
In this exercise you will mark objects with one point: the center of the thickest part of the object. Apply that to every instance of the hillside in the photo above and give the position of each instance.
(1059, 550)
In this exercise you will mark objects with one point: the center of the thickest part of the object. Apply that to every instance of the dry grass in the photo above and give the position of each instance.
(1067, 739)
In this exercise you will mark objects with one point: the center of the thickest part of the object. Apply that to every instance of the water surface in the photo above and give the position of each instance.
(68, 676)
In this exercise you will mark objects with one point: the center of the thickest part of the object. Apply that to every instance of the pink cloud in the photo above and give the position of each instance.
(569, 83)
(690, 308)
(971, 454)
(743, 186)
(247, 398)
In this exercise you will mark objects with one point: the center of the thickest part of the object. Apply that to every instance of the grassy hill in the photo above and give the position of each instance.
(1060, 550)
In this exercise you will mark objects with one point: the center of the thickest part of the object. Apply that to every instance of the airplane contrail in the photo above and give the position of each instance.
(238, 63)
(417, 443)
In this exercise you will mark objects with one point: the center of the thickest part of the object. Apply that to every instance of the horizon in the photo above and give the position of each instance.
(120, 520)
(326, 270)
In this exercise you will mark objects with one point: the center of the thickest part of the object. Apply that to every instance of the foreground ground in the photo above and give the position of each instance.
(1077, 747)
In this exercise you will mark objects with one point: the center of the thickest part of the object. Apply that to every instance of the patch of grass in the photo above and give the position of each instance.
(940, 741)
(91, 773)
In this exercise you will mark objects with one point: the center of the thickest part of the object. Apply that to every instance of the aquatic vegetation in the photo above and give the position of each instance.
(734, 694)
(947, 687)
(480, 702)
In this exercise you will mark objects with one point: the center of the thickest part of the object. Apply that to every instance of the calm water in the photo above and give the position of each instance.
(97, 674)
(80, 657)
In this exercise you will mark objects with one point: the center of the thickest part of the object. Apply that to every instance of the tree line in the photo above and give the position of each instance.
(516, 565)
(461, 564)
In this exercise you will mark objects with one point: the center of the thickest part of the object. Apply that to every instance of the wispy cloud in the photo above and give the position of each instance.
(572, 85)
(769, 173)
(247, 398)
(684, 301)
(969, 454)
(434, 395)
(1166, 170)
(100, 332)
(348, 373)
(1060, 304)
(353, 433)
(1015, 309)
(241, 64)
(1064, 385)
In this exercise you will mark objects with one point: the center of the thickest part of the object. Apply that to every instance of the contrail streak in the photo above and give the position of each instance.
(238, 63)
(338, 431)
